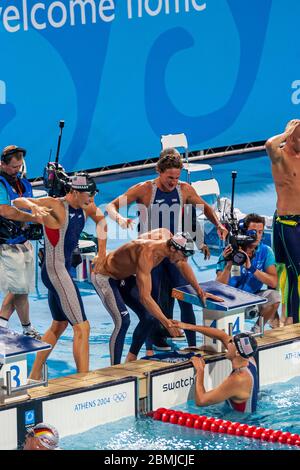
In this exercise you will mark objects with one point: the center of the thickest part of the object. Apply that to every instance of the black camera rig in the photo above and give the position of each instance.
(55, 178)
(238, 236)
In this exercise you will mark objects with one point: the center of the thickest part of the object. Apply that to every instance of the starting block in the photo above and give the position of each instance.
(14, 348)
(228, 315)
(88, 252)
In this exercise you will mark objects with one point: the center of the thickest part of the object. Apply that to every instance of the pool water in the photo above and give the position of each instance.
(278, 408)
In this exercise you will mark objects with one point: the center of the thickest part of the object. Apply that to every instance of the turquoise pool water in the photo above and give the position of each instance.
(279, 408)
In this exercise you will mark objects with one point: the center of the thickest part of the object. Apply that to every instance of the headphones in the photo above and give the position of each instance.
(7, 154)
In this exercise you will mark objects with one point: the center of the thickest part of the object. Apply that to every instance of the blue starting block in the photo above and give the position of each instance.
(14, 348)
(228, 315)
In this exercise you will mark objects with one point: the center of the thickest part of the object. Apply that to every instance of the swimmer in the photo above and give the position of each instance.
(166, 202)
(62, 229)
(284, 152)
(41, 437)
(240, 389)
(138, 258)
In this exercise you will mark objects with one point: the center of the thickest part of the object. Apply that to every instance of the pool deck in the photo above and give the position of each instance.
(141, 368)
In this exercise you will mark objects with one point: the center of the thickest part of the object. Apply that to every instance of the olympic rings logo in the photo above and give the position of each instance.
(118, 397)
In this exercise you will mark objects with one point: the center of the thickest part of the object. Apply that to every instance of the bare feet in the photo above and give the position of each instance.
(150, 353)
(275, 323)
(130, 357)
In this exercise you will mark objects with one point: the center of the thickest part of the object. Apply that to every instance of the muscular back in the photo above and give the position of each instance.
(125, 261)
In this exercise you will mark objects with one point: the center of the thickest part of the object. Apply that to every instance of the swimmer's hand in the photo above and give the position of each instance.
(172, 330)
(198, 363)
(97, 264)
(213, 297)
(222, 231)
(206, 295)
(125, 223)
(39, 212)
(205, 250)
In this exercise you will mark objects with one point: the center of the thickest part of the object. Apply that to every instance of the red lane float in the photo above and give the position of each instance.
(222, 426)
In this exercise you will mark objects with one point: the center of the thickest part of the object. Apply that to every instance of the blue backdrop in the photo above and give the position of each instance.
(123, 72)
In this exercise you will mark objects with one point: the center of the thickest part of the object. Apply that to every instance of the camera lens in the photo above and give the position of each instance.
(239, 258)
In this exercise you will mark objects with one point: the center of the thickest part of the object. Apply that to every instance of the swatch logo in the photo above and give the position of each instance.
(182, 383)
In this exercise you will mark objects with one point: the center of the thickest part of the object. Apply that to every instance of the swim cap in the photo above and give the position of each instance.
(182, 241)
(46, 434)
(245, 344)
(10, 150)
(83, 182)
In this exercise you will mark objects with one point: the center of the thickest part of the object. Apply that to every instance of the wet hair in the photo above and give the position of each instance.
(257, 219)
(169, 158)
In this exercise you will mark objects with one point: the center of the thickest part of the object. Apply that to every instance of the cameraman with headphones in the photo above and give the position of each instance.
(258, 269)
(16, 252)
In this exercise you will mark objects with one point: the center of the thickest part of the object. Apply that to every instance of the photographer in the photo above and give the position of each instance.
(16, 252)
(258, 269)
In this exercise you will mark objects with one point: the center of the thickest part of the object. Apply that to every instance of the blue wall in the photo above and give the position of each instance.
(222, 71)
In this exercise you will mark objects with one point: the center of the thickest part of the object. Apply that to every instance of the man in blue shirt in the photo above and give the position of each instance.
(258, 269)
(16, 252)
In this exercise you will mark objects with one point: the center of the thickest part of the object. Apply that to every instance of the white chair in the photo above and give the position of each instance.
(207, 187)
(175, 141)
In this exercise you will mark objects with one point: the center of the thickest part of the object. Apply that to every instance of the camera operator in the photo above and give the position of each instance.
(258, 269)
(16, 252)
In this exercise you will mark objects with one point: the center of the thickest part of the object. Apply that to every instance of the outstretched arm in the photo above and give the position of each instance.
(144, 283)
(132, 195)
(189, 275)
(12, 213)
(214, 333)
(50, 211)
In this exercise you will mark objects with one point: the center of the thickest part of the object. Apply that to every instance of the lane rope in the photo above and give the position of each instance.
(218, 425)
